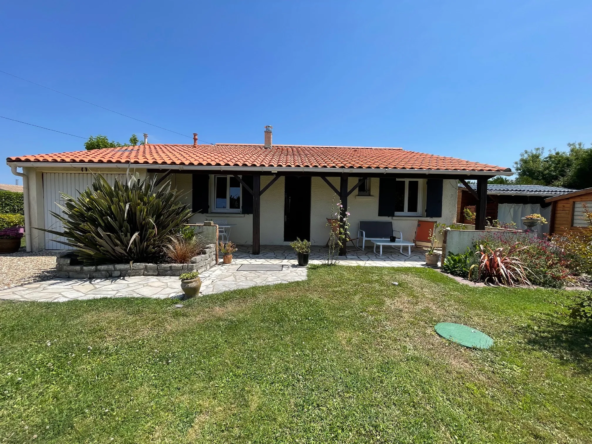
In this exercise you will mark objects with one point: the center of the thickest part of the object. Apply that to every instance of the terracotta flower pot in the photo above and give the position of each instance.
(303, 259)
(191, 287)
(10, 245)
(227, 258)
(432, 259)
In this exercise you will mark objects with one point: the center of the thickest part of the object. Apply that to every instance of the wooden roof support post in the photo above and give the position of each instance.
(256, 214)
(481, 203)
(344, 193)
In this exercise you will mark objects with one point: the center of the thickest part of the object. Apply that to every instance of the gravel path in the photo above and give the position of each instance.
(20, 268)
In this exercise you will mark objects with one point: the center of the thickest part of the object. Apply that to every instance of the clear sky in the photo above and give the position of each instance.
(479, 80)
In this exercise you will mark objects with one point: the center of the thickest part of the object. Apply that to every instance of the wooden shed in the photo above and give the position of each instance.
(568, 210)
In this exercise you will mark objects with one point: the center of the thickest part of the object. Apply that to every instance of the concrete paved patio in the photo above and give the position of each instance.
(215, 280)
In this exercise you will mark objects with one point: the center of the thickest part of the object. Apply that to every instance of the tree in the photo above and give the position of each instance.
(99, 142)
(558, 168)
(500, 180)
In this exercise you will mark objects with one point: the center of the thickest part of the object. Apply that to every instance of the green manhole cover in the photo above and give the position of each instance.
(463, 335)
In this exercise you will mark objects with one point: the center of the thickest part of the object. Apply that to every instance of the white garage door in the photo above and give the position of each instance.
(71, 184)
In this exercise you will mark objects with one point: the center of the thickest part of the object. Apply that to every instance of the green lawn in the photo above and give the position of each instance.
(342, 357)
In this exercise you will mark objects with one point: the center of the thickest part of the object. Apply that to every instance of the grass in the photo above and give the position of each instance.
(342, 357)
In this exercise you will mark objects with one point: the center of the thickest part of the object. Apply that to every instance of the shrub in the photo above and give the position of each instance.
(11, 220)
(582, 310)
(545, 264)
(181, 250)
(497, 268)
(227, 248)
(189, 276)
(127, 222)
(577, 246)
(301, 246)
(459, 264)
(11, 202)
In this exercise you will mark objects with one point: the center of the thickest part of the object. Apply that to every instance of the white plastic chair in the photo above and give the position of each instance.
(223, 232)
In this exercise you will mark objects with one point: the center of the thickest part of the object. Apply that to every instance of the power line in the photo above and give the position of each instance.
(90, 103)
(42, 127)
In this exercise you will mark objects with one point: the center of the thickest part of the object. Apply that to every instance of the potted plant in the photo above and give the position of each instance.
(302, 248)
(431, 256)
(227, 249)
(532, 220)
(11, 232)
(190, 284)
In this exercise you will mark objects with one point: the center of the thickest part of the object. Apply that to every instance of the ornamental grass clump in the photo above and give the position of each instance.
(499, 268)
(130, 221)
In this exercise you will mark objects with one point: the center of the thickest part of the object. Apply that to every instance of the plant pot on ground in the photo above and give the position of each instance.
(190, 284)
(11, 232)
(302, 248)
(431, 256)
(226, 249)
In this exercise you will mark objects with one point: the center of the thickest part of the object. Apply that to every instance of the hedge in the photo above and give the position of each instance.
(11, 203)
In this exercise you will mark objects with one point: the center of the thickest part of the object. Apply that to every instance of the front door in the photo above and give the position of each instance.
(297, 208)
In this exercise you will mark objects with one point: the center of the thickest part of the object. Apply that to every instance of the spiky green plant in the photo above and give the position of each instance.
(130, 221)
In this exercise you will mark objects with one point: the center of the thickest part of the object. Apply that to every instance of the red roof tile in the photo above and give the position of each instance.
(236, 155)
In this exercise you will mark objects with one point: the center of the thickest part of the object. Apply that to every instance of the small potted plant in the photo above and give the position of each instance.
(302, 248)
(227, 249)
(532, 220)
(431, 256)
(190, 284)
(11, 232)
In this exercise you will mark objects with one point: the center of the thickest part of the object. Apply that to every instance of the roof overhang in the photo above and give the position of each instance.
(570, 195)
(258, 169)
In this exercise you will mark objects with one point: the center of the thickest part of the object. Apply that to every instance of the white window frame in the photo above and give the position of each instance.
(420, 188)
(368, 191)
(213, 196)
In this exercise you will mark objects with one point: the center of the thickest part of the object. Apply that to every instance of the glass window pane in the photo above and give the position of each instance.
(399, 196)
(364, 188)
(413, 191)
(221, 192)
(235, 193)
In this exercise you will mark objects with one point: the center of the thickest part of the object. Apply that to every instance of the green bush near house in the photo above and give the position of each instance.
(130, 221)
(11, 203)
(459, 264)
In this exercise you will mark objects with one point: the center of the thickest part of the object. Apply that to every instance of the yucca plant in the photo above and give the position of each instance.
(497, 268)
(130, 221)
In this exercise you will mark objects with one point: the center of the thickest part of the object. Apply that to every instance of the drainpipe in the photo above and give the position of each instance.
(28, 227)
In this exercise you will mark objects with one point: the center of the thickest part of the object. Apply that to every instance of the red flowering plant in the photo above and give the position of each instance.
(499, 268)
(544, 263)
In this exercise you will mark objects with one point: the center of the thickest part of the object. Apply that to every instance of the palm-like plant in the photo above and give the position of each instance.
(130, 221)
(498, 268)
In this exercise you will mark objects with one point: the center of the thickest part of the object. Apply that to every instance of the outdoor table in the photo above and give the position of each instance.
(397, 243)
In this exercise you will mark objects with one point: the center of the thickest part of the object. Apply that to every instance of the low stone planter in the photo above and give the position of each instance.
(68, 268)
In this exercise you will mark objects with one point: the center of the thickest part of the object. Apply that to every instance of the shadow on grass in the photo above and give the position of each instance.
(567, 340)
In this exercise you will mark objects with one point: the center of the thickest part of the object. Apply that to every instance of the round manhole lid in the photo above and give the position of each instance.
(463, 335)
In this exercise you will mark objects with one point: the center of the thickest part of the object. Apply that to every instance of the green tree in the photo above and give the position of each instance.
(99, 142)
(500, 180)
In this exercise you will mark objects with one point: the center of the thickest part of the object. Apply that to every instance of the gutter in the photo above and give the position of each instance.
(28, 227)
(261, 169)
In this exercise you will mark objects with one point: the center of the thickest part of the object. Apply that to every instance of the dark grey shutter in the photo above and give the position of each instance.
(386, 196)
(201, 193)
(434, 204)
(246, 196)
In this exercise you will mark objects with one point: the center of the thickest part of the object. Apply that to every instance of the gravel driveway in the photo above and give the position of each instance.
(20, 268)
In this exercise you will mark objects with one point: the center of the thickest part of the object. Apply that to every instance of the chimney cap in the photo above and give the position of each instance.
(145, 139)
(194, 139)
(268, 128)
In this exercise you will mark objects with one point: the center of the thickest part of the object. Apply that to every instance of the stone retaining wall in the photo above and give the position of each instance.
(199, 263)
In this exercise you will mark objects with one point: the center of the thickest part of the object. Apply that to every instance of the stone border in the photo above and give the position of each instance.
(200, 263)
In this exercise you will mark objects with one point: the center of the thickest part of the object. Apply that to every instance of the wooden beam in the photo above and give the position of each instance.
(330, 185)
(481, 204)
(469, 188)
(356, 186)
(343, 195)
(256, 191)
(247, 187)
(266, 187)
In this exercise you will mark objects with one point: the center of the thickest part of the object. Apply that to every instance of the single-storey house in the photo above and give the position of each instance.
(509, 203)
(568, 210)
(270, 194)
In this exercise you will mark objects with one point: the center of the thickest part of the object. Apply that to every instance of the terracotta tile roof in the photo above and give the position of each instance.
(236, 155)
(13, 188)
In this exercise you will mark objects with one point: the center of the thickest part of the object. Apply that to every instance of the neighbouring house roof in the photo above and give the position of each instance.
(523, 190)
(13, 188)
(570, 195)
(279, 156)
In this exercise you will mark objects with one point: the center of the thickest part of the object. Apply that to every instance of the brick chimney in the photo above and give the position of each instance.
(145, 139)
(267, 133)
(194, 139)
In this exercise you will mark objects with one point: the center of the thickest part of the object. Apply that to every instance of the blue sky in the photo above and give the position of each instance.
(480, 80)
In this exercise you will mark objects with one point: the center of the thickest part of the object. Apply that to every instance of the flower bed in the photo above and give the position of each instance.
(68, 267)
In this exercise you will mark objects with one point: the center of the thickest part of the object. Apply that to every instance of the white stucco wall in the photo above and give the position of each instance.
(272, 208)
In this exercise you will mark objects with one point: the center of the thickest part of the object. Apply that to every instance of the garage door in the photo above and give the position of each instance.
(71, 184)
